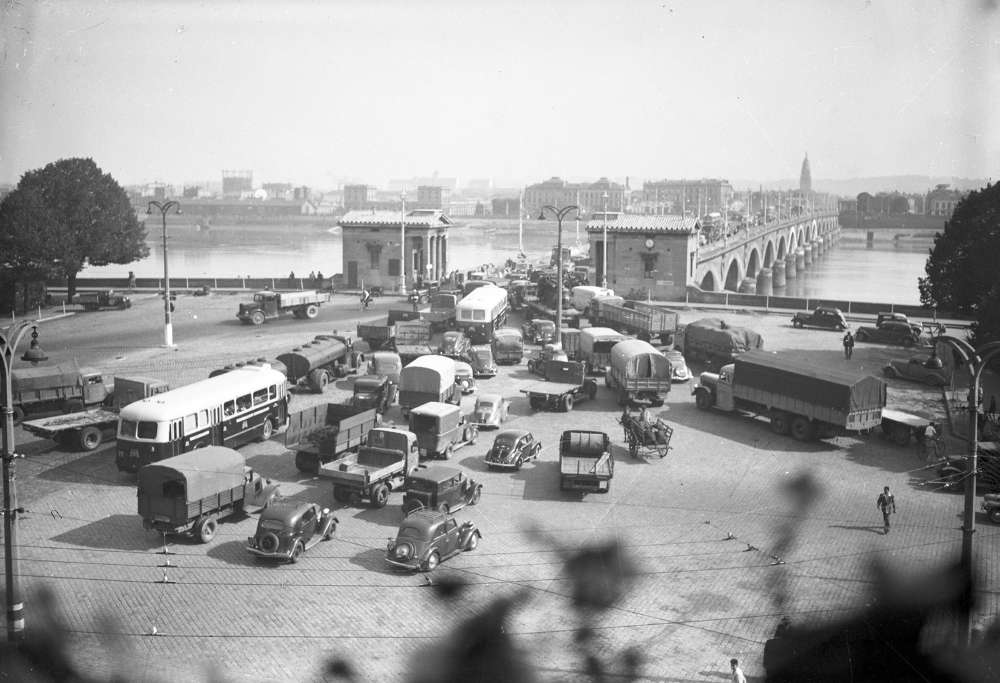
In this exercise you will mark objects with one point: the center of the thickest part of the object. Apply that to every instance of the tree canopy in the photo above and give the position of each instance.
(64, 216)
(962, 266)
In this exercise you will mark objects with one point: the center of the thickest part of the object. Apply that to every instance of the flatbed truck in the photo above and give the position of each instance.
(566, 385)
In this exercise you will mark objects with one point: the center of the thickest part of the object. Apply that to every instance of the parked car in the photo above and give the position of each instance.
(823, 316)
(287, 529)
(490, 411)
(439, 487)
(512, 448)
(427, 538)
(480, 357)
(890, 332)
(538, 331)
(678, 366)
(464, 377)
(454, 344)
(928, 370)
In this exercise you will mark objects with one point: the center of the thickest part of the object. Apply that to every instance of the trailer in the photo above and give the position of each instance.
(639, 373)
(566, 384)
(646, 321)
(318, 362)
(413, 339)
(585, 461)
(88, 429)
(378, 467)
(325, 432)
(268, 304)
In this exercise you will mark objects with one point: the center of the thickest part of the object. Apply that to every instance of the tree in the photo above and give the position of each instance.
(961, 269)
(25, 233)
(70, 214)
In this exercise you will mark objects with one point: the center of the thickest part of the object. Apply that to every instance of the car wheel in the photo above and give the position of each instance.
(476, 495)
(474, 434)
(567, 403)
(312, 310)
(797, 323)
(841, 327)
(90, 438)
(473, 541)
(380, 496)
(296, 552)
(518, 463)
(994, 515)
(205, 529)
(890, 372)
(432, 562)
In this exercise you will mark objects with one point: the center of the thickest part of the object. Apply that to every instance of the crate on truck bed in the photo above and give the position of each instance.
(585, 461)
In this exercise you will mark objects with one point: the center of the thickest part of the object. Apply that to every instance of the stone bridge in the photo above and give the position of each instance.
(764, 256)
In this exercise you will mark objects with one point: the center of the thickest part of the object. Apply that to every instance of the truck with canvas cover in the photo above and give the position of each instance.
(585, 461)
(268, 304)
(798, 397)
(639, 373)
(428, 378)
(712, 340)
(566, 385)
(88, 429)
(317, 363)
(508, 346)
(378, 467)
(582, 295)
(191, 492)
(441, 429)
(325, 432)
(596, 344)
(413, 339)
(378, 336)
(64, 386)
(570, 342)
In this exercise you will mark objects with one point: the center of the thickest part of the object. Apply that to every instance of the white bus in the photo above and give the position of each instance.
(481, 312)
(230, 409)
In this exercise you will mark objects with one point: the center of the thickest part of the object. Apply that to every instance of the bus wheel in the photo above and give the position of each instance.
(266, 430)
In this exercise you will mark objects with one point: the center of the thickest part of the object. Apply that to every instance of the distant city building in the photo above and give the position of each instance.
(191, 191)
(588, 196)
(687, 197)
(805, 177)
(430, 197)
(398, 185)
(358, 197)
(941, 201)
(236, 184)
(505, 207)
(277, 190)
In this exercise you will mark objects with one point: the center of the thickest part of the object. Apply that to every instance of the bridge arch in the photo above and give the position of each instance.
(769, 254)
(782, 250)
(733, 275)
(707, 283)
(753, 263)
(800, 235)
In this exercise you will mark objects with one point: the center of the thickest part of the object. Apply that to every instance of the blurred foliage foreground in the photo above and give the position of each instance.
(897, 636)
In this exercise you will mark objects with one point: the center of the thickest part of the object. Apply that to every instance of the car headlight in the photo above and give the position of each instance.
(404, 551)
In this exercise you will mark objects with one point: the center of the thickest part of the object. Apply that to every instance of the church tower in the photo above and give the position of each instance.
(805, 177)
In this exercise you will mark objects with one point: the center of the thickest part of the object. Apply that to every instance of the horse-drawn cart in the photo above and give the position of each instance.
(644, 436)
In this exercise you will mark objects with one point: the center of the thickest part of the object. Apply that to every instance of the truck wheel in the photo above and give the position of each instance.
(341, 494)
(797, 323)
(703, 399)
(312, 310)
(803, 429)
(90, 438)
(205, 529)
(297, 313)
(296, 552)
(380, 496)
(257, 318)
(537, 403)
(73, 405)
(780, 423)
(318, 379)
(567, 403)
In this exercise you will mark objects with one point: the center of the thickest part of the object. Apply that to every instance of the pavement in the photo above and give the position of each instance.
(720, 551)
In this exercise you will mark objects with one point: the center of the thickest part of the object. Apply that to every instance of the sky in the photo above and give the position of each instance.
(516, 91)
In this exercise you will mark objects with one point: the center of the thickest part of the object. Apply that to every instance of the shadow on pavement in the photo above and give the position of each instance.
(114, 532)
(373, 559)
(389, 516)
(740, 428)
(97, 465)
(234, 553)
(873, 528)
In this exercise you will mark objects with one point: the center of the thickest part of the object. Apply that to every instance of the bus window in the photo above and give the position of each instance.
(146, 430)
(259, 396)
(244, 402)
(127, 428)
(190, 423)
(479, 315)
(230, 408)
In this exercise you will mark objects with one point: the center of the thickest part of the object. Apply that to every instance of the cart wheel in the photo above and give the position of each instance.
(633, 448)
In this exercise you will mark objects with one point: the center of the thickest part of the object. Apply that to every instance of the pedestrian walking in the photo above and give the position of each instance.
(886, 502)
(931, 443)
(848, 344)
(131, 280)
(737, 675)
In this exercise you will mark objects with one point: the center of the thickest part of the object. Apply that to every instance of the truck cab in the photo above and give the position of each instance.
(715, 389)
(373, 391)
(439, 427)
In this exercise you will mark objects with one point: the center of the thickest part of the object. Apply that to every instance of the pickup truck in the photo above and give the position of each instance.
(378, 467)
(585, 461)
(325, 432)
(567, 384)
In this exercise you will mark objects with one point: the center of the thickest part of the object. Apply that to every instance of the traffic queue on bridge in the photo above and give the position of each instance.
(180, 442)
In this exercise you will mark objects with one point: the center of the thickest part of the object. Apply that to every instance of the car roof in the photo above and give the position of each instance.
(512, 434)
(435, 472)
(423, 519)
(674, 354)
(495, 398)
(285, 511)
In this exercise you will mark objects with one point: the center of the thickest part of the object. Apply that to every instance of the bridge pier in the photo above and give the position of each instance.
(808, 254)
(800, 259)
(818, 248)
(764, 282)
(748, 285)
(790, 266)
(778, 274)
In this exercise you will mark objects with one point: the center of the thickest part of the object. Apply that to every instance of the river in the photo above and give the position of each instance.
(885, 271)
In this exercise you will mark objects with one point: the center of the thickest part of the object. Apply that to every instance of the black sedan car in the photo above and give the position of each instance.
(890, 332)
(428, 537)
(512, 448)
(824, 316)
(286, 530)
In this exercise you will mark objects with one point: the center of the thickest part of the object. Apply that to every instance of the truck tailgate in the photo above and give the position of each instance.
(573, 465)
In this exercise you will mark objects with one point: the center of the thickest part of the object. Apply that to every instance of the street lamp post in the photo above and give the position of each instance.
(604, 250)
(402, 244)
(164, 208)
(560, 214)
(34, 354)
(976, 360)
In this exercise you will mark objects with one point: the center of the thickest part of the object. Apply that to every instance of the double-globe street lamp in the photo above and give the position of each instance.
(165, 208)
(8, 345)
(976, 360)
(560, 214)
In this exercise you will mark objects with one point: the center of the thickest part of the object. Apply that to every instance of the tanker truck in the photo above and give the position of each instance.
(639, 373)
(316, 363)
(798, 397)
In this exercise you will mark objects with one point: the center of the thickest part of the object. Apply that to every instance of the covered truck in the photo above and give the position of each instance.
(320, 361)
(508, 346)
(647, 321)
(63, 386)
(268, 304)
(428, 378)
(375, 469)
(191, 492)
(413, 339)
(639, 373)
(327, 431)
(596, 344)
(798, 397)
(441, 429)
(712, 340)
